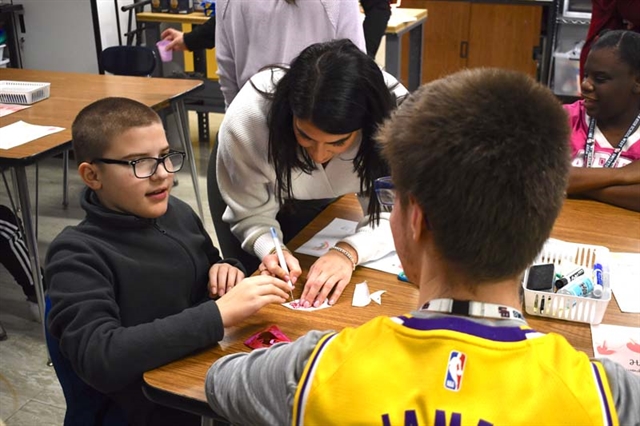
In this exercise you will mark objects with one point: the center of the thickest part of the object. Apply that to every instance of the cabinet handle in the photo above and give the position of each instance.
(464, 49)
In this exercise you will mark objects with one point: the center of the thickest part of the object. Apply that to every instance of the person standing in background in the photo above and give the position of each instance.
(202, 37)
(251, 35)
(376, 17)
(609, 15)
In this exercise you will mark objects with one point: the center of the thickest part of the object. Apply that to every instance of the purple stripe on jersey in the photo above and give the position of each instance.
(312, 364)
(467, 326)
(603, 394)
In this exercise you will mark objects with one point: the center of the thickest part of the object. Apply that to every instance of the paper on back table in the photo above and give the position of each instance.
(338, 229)
(19, 133)
(625, 280)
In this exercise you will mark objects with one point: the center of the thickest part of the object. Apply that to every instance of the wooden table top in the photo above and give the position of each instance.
(581, 221)
(198, 18)
(70, 92)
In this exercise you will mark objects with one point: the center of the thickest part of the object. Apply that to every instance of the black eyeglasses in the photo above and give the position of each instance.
(146, 166)
(385, 191)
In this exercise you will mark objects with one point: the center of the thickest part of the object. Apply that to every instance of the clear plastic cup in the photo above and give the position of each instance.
(165, 55)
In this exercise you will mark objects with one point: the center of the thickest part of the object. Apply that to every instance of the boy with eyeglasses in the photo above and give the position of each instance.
(131, 286)
(479, 163)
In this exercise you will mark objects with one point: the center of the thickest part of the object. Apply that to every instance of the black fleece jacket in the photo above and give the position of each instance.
(202, 37)
(130, 294)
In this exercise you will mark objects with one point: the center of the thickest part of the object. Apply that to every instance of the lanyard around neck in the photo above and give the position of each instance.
(588, 152)
(470, 308)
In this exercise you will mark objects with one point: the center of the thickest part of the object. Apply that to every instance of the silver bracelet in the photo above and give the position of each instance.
(346, 253)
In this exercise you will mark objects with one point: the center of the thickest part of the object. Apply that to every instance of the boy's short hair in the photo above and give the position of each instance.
(485, 153)
(98, 123)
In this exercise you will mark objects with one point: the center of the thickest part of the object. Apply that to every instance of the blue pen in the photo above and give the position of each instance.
(283, 263)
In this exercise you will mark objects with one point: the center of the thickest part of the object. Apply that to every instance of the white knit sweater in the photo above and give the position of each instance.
(247, 180)
(252, 34)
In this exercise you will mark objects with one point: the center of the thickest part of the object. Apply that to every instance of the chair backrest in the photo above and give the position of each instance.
(85, 405)
(128, 60)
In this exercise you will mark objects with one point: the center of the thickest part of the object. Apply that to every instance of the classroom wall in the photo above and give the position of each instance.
(59, 33)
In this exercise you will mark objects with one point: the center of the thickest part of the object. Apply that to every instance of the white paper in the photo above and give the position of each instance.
(376, 296)
(617, 343)
(328, 237)
(6, 109)
(340, 228)
(19, 133)
(624, 276)
(294, 305)
(389, 263)
(399, 17)
(362, 297)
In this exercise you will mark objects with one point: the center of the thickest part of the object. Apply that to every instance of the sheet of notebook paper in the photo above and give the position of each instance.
(338, 229)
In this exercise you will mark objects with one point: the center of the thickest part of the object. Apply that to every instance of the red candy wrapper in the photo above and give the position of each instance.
(266, 338)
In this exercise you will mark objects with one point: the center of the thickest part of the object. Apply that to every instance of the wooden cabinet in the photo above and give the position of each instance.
(460, 34)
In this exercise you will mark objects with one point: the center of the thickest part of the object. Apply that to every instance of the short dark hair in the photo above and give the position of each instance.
(339, 89)
(626, 43)
(485, 153)
(98, 123)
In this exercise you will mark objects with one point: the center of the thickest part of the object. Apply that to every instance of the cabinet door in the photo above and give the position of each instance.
(445, 34)
(504, 36)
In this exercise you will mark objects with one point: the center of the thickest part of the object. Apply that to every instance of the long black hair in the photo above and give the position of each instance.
(339, 89)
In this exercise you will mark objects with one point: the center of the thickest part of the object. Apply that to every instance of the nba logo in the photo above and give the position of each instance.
(455, 368)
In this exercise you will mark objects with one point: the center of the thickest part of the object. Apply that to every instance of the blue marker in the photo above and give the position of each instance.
(598, 282)
(403, 277)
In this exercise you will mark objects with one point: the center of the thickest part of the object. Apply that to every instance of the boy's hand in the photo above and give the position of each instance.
(222, 278)
(249, 296)
(271, 266)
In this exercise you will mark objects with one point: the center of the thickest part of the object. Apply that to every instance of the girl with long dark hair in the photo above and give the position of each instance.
(292, 141)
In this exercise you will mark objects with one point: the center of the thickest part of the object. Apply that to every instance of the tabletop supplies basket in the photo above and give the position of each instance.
(23, 92)
(568, 307)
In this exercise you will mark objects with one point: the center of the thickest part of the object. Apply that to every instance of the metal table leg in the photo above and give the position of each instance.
(30, 237)
(182, 121)
(65, 178)
(393, 55)
(415, 57)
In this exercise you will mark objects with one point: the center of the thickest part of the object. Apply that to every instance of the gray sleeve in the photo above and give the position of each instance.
(258, 388)
(625, 388)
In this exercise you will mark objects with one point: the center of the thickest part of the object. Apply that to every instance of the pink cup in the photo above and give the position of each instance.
(165, 55)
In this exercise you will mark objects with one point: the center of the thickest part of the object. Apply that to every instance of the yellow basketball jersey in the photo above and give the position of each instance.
(450, 371)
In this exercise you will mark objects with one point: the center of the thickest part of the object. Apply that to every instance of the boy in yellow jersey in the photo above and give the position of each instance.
(479, 164)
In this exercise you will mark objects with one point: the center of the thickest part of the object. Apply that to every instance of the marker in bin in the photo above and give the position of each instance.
(562, 282)
(581, 287)
(598, 280)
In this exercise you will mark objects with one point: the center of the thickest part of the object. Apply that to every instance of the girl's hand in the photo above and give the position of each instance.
(331, 272)
(271, 266)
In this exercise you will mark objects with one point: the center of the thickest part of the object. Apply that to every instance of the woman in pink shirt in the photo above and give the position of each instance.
(605, 124)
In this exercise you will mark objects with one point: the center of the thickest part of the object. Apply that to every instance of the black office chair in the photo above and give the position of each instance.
(85, 405)
(128, 60)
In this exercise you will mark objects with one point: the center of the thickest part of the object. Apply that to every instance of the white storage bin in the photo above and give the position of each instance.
(567, 307)
(566, 69)
(23, 92)
(4, 63)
